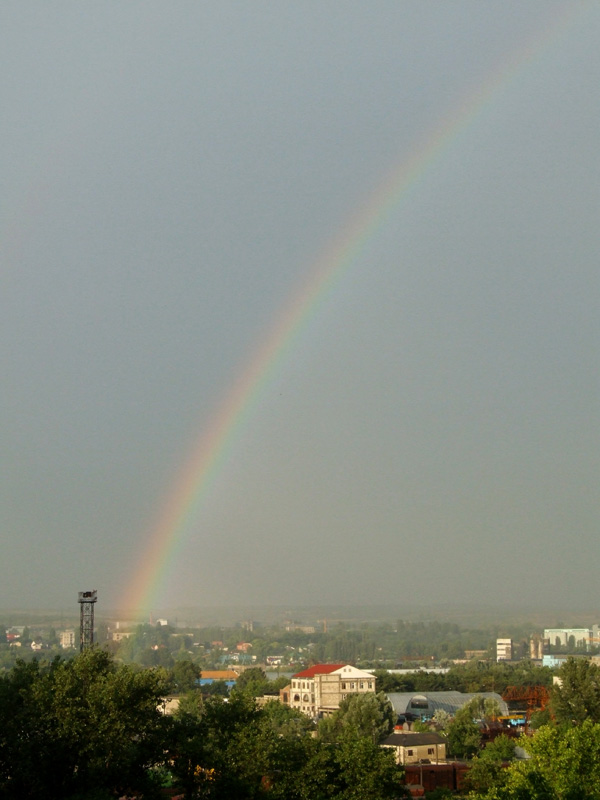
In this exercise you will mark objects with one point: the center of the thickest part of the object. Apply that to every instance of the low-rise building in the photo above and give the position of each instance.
(411, 748)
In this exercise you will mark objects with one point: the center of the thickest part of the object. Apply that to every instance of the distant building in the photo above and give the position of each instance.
(119, 635)
(319, 690)
(537, 646)
(210, 675)
(243, 659)
(504, 649)
(568, 637)
(308, 629)
(66, 639)
(480, 655)
(553, 661)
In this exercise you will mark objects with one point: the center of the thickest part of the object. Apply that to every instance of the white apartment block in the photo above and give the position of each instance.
(319, 690)
(504, 649)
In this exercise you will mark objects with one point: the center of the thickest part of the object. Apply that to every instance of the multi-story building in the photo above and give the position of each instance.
(564, 637)
(67, 639)
(319, 690)
(504, 649)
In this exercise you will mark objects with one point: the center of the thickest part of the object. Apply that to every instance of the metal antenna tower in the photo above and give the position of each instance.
(86, 625)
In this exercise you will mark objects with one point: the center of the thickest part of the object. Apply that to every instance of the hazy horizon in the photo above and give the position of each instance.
(170, 175)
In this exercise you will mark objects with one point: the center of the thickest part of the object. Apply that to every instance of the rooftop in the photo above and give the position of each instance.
(318, 669)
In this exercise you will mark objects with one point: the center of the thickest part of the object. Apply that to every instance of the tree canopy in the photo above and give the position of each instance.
(564, 764)
(71, 727)
(90, 728)
(577, 697)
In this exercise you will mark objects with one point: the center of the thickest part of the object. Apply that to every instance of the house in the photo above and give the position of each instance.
(319, 690)
(412, 748)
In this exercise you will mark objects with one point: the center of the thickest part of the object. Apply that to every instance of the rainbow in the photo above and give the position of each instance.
(213, 447)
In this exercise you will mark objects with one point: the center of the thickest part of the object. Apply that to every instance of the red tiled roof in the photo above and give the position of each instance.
(318, 669)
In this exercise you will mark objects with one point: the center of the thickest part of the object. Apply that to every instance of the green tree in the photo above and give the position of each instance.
(252, 681)
(564, 764)
(185, 674)
(286, 721)
(539, 718)
(577, 697)
(216, 687)
(487, 769)
(441, 719)
(464, 736)
(70, 728)
(355, 768)
(369, 715)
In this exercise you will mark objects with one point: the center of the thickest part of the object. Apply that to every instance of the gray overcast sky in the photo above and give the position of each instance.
(169, 173)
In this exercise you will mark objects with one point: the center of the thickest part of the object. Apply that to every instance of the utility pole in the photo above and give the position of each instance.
(86, 623)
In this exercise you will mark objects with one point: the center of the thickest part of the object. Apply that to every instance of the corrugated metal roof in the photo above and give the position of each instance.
(435, 701)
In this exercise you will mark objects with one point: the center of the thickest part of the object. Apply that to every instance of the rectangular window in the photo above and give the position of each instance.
(362, 685)
(409, 752)
(343, 685)
(370, 684)
(430, 751)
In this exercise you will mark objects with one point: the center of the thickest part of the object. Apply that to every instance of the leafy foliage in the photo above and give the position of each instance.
(372, 716)
(564, 765)
(68, 728)
(577, 697)
(487, 770)
(464, 736)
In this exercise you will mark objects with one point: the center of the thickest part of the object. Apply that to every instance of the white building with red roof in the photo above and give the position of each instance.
(319, 690)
